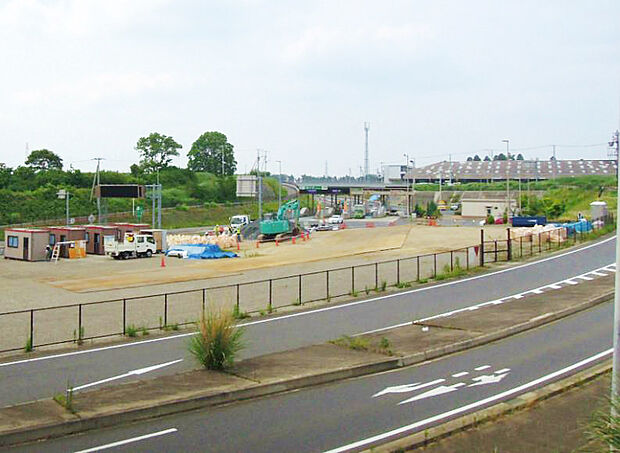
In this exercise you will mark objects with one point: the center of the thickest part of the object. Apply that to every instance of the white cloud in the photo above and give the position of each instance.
(94, 88)
(325, 40)
(72, 17)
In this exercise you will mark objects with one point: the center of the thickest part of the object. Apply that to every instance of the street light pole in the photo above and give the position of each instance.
(507, 177)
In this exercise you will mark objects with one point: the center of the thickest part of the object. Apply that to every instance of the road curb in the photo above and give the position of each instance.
(469, 421)
(77, 424)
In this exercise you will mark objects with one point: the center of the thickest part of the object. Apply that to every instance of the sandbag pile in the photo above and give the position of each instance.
(547, 233)
(224, 241)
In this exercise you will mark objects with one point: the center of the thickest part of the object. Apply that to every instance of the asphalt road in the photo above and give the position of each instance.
(347, 416)
(42, 377)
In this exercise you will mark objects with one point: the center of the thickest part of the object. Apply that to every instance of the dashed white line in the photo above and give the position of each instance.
(128, 441)
(503, 370)
(468, 407)
(461, 374)
(599, 274)
(583, 277)
(570, 282)
(610, 267)
(483, 367)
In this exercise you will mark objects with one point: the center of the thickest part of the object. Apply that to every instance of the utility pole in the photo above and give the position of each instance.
(407, 184)
(615, 377)
(279, 184)
(97, 181)
(507, 177)
(366, 128)
(260, 187)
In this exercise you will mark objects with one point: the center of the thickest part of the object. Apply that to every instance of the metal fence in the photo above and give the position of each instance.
(93, 320)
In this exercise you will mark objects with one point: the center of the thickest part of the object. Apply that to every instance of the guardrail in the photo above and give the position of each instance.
(128, 316)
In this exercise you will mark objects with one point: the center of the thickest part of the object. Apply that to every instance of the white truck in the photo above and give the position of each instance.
(133, 246)
(239, 221)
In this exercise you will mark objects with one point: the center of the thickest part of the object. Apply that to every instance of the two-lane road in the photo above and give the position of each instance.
(30, 379)
(358, 413)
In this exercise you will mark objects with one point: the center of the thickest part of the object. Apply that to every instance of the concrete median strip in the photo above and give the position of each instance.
(308, 366)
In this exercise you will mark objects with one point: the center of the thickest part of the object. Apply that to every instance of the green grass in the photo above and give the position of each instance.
(355, 343)
(218, 340)
(131, 330)
(28, 346)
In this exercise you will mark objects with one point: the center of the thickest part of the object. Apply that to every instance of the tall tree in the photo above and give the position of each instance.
(156, 151)
(5, 176)
(477, 158)
(43, 159)
(212, 153)
(520, 156)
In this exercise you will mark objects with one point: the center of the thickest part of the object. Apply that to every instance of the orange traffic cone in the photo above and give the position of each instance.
(163, 261)
(293, 239)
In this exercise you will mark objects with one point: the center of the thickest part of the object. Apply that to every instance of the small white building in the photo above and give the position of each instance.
(483, 207)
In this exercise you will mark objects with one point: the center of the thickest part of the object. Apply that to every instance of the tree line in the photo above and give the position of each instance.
(28, 192)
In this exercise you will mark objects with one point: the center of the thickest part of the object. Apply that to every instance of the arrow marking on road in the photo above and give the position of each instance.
(441, 390)
(137, 372)
(407, 387)
(487, 379)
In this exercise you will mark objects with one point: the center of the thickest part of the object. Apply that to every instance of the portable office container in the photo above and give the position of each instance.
(27, 244)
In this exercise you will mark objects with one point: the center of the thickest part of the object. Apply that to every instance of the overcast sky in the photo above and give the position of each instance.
(298, 79)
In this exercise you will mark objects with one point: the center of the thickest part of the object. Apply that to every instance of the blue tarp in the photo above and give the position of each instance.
(202, 251)
(581, 226)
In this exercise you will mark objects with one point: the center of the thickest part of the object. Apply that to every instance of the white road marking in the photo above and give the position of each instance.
(487, 379)
(483, 367)
(128, 441)
(537, 291)
(583, 277)
(129, 373)
(441, 390)
(472, 307)
(598, 273)
(468, 407)
(461, 374)
(503, 370)
(319, 310)
(407, 387)
(554, 286)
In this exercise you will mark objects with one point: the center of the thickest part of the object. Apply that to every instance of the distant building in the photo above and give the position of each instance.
(533, 170)
(394, 174)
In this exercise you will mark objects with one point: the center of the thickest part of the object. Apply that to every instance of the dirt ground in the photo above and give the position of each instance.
(32, 285)
(555, 425)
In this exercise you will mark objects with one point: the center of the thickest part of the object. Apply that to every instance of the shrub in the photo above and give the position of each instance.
(217, 341)
(603, 431)
(131, 330)
(28, 347)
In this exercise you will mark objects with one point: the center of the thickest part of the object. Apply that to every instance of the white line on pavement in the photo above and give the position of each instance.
(472, 307)
(129, 373)
(503, 370)
(483, 367)
(319, 310)
(461, 374)
(128, 441)
(463, 409)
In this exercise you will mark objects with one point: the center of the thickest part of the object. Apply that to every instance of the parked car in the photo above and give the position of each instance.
(335, 219)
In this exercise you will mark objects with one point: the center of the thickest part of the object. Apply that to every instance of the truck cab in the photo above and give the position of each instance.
(133, 246)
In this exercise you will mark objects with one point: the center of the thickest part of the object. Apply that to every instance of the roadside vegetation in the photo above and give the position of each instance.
(217, 341)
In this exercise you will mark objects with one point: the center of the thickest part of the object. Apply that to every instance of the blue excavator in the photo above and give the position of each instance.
(282, 225)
